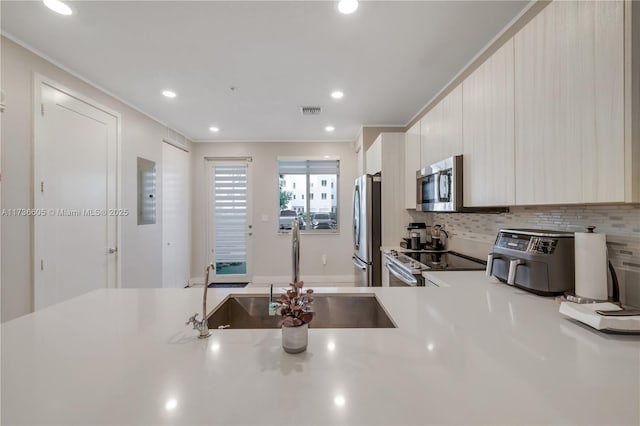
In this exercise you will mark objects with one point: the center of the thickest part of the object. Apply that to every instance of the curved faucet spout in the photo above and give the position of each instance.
(202, 325)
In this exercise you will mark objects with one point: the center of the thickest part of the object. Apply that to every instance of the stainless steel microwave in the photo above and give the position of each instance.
(439, 186)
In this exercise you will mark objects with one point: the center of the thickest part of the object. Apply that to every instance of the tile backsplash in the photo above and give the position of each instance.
(621, 223)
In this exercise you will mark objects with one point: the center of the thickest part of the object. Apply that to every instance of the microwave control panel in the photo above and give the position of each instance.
(526, 243)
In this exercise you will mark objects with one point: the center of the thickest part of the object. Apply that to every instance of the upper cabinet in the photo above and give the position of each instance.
(373, 162)
(386, 155)
(441, 129)
(488, 129)
(569, 105)
(411, 164)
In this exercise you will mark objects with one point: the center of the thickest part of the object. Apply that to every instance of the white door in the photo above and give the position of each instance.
(176, 223)
(229, 220)
(75, 172)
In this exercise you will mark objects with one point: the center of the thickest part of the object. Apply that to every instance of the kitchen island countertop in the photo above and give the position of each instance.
(478, 352)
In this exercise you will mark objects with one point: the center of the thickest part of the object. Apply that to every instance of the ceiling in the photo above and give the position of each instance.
(389, 58)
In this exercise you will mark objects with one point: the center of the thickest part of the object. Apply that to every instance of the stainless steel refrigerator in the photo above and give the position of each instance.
(367, 230)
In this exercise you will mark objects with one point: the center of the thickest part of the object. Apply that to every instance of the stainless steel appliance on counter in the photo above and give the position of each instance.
(367, 230)
(536, 260)
(406, 268)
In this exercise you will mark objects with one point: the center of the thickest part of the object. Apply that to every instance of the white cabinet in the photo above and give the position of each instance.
(386, 155)
(374, 157)
(569, 105)
(411, 164)
(441, 129)
(488, 129)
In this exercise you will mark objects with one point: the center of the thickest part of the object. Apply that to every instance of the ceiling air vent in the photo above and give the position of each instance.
(311, 110)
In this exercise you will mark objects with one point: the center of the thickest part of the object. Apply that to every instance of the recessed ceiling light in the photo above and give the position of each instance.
(58, 7)
(329, 128)
(171, 404)
(347, 6)
(169, 93)
(337, 94)
(214, 129)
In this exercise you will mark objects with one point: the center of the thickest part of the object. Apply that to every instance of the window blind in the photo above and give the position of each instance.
(312, 167)
(230, 213)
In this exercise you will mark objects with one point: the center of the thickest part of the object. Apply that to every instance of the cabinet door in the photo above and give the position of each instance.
(441, 129)
(488, 129)
(428, 137)
(450, 127)
(374, 157)
(569, 100)
(411, 164)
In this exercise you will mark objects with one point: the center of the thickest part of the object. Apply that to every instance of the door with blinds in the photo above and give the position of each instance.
(229, 220)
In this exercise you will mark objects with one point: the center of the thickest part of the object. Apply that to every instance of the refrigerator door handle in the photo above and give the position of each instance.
(359, 263)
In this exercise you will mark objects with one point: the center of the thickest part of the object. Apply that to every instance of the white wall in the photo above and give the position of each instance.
(272, 251)
(140, 250)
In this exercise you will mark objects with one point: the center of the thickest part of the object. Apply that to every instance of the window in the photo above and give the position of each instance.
(314, 213)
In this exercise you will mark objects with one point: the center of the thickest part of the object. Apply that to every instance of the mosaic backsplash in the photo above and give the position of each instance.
(621, 223)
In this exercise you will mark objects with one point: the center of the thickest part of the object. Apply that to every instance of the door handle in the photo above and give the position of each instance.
(359, 263)
(112, 250)
(409, 280)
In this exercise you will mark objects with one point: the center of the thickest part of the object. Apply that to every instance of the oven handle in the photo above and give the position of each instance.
(402, 276)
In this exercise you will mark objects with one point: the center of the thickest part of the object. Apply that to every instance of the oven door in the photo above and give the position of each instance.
(400, 278)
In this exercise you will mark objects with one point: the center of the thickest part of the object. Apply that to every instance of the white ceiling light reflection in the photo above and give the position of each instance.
(331, 346)
(337, 94)
(339, 401)
(215, 347)
(347, 6)
(58, 7)
(171, 404)
(431, 347)
(169, 94)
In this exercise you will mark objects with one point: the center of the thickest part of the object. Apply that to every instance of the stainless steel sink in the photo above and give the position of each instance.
(331, 311)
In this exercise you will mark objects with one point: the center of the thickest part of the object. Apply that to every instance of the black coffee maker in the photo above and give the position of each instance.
(417, 236)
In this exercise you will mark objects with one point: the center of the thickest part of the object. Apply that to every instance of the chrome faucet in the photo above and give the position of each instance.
(202, 325)
(295, 253)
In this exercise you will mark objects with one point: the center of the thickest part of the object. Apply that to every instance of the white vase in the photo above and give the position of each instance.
(294, 339)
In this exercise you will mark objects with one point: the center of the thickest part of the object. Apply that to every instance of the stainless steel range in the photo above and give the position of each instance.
(407, 267)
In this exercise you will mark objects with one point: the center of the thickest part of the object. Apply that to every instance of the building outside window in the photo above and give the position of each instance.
(298, 182)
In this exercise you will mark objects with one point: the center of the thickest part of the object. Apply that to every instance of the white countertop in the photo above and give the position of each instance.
(478, 352)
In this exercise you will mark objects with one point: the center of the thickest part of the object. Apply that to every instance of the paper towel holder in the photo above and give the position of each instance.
(614, 296)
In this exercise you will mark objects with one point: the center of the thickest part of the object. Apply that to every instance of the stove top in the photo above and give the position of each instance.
(446, 261)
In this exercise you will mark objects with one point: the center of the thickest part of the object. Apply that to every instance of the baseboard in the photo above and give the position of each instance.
(281, 280)
(322, 280)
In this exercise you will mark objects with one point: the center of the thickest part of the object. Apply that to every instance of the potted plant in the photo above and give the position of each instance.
(295, 307)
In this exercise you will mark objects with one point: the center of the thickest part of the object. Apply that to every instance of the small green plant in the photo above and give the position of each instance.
(296, 306)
